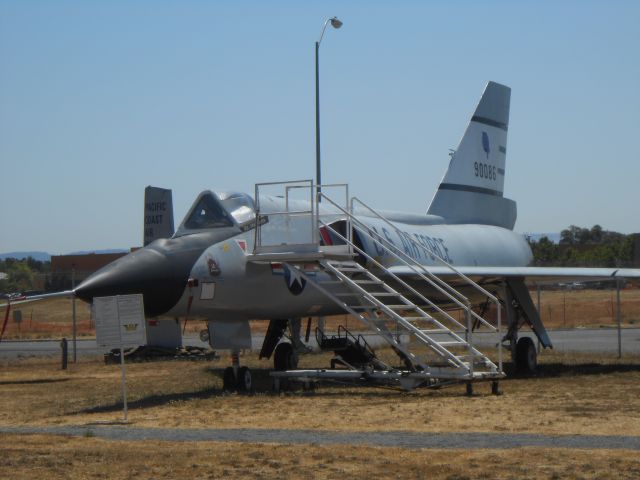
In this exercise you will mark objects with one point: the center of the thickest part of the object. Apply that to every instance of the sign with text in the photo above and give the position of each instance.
(120, 321)
(158, 214)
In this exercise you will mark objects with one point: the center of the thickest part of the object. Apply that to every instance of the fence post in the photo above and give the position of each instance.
(73, 313)
(619, 318)
(64, 348)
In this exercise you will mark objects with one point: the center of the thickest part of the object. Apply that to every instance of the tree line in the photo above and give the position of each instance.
(21, 273)
(578, 247)
(585, 247)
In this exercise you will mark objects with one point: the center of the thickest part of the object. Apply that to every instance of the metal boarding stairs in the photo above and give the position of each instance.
(435, 348)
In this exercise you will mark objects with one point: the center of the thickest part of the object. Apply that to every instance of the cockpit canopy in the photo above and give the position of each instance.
(218, 210)
(240, 205)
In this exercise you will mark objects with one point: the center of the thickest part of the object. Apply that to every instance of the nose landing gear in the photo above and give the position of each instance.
(237, 378)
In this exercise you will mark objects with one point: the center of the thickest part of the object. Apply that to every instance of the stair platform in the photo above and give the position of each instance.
(401, 379)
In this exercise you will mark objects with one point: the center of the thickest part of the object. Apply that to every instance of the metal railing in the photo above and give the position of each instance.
(287, 213)
(422, 272)
(285, 208)
(320, 207)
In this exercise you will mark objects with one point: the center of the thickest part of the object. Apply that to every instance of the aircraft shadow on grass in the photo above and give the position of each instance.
(262, 385)
(552, 370)
(34, 382)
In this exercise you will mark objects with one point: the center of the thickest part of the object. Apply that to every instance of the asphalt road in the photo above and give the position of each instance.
(599, 340)
(382, 439)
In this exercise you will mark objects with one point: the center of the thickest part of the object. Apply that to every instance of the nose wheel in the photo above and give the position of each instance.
(244, 381)
(237, 378)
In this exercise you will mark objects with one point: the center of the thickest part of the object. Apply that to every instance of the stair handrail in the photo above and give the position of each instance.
(404, 258)
(400, 255)
(442, 351)
(413, 290)
(432, 279)
(497, 329)
(430, 252)
(384, 333)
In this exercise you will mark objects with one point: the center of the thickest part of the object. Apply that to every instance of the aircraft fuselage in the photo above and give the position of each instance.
(245, 289)
(208, 273)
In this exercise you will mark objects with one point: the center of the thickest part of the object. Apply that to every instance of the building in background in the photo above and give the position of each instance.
(65, 267)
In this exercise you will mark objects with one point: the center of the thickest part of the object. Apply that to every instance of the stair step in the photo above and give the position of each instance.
(371, 293)
(433, 331)
(453, 343)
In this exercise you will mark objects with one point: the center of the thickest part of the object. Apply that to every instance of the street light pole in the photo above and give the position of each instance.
(335, 23)
(318, 172)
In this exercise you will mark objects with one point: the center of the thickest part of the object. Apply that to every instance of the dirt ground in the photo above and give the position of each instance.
(571, 394)
(41, 456)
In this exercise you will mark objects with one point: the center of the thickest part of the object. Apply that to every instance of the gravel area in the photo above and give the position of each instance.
(601, 340)
(378, 439)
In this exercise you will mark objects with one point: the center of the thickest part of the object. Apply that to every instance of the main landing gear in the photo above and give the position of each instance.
(526, 357)
(285, 357)
(520, 310)
(237, 378)
(285, 354)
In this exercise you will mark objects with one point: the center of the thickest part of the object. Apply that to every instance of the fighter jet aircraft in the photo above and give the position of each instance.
(237, 257)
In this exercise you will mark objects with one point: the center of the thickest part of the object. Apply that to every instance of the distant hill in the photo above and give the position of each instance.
(46, 257)
(40, 256)
(87, 252)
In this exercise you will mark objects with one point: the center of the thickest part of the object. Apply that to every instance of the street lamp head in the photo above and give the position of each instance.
(335, 23)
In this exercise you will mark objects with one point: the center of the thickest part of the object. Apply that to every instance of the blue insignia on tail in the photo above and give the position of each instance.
(485, 143)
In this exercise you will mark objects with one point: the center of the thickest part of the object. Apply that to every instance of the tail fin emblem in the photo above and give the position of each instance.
(485, 144)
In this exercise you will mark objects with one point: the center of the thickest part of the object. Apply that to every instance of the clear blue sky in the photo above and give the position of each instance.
(100, 99)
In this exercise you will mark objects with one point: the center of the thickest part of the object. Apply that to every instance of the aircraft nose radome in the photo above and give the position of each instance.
(160, 278)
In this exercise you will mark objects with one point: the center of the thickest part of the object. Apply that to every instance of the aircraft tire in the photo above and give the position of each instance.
(526, 356)
(284, 357)
(228, 380)
(244, 381)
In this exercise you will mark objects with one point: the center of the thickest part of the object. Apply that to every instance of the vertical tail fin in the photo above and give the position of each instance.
(472, 187)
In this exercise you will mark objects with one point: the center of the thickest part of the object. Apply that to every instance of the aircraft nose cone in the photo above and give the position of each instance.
(160, 278)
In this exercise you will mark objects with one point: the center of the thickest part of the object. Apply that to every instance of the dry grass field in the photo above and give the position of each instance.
(572, 394)
(40, 456)
(559, 309)
(587, 308)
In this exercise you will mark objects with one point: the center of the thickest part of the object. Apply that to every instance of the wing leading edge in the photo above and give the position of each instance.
(540, 274)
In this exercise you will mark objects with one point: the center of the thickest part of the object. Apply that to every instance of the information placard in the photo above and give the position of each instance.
(120, 321)
(132, 324)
